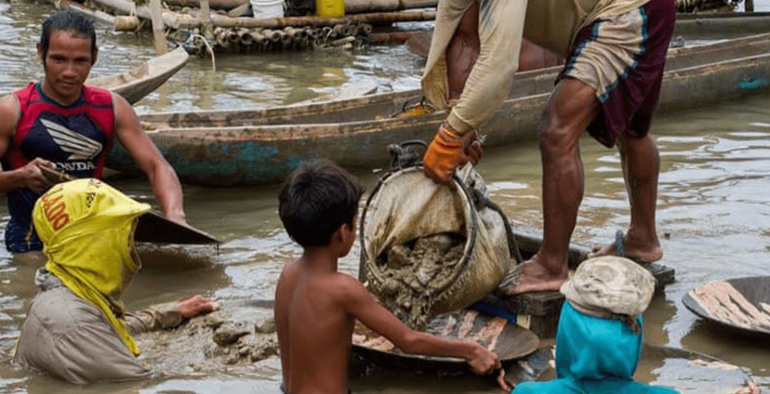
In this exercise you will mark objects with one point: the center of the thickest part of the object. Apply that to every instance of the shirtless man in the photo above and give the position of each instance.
(615, 54)
(60, 123)
(316, 307)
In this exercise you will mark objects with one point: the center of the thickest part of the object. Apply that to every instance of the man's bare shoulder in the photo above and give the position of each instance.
(9, 114)
(9, 102)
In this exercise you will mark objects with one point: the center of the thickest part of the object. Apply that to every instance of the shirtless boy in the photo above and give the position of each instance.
(316, 306)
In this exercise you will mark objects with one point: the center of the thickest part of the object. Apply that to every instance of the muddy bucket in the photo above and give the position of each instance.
(428, 249)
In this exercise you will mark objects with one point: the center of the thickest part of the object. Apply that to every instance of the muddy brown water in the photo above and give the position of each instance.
(713, 208)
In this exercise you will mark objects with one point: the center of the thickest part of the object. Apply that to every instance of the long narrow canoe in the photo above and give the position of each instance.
(250, 147)
(703, 26)
(142, 80)
(721, 24)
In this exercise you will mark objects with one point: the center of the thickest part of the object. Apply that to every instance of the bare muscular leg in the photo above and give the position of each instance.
(641, 166)
(570, 109)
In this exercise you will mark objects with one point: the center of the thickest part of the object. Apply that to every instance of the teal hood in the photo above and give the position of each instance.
(594, 356)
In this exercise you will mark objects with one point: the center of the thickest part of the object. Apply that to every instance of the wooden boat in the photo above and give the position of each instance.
(703, 26)
(142, 80)
(721, 25)
(250, 147)
(742, 303)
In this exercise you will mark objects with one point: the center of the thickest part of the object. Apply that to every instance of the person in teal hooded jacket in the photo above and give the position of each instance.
(599, 338)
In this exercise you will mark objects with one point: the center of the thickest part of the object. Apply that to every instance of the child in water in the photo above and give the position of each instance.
(316, 307)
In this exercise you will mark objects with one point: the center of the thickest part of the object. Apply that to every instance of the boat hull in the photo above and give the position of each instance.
(236, 148)
(139, 82)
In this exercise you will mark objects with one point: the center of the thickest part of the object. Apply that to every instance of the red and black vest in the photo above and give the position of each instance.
(76, 138)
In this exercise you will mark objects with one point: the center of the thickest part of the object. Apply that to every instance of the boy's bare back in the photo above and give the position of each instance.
(313, 328)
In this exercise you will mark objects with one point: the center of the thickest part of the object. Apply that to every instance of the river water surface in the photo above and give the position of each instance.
(713, 206)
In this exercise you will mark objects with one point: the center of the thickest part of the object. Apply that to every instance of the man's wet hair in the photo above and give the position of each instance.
(318, 198)
(70, 22)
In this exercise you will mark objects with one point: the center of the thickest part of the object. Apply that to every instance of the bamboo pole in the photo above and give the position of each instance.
(171, 19)
(369, 6)
(96, 15)
(205, 12)
(179, 21)
(225, 5)
(299, 21)
(158, 28)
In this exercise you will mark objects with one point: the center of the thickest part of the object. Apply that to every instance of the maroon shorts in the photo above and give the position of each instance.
(623, 58)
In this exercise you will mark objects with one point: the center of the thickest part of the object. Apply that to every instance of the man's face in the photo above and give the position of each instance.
(67, 64)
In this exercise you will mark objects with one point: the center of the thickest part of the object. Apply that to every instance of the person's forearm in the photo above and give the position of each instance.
(11, 180)
(168, 191)
(156, 317)
(427, 344)
(490, 80)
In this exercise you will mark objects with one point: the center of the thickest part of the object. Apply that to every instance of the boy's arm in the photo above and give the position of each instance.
(361, 305)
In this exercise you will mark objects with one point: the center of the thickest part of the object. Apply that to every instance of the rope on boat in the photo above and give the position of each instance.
(210, 49)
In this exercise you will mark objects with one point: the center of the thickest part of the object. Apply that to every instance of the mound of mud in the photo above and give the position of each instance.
(411, 270)
(230, 340)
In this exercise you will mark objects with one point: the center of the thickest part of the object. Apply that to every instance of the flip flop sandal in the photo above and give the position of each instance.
(620, 250)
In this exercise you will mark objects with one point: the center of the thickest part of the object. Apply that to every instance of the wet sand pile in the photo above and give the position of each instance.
(230, 340)
(414, 271)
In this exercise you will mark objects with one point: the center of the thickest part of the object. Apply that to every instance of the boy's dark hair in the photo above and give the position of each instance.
(71, 22)
(318, 198)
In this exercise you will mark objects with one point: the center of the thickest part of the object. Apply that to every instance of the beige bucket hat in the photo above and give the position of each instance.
(610, 287)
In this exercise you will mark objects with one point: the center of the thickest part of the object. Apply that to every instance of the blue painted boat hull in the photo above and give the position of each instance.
(251, 147)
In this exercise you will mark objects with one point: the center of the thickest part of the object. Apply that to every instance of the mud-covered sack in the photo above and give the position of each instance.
(428, 249)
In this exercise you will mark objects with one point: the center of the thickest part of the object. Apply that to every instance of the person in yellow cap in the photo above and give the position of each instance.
(76, 328)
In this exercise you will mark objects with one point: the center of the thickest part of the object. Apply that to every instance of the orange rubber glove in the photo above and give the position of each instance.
(449, 151)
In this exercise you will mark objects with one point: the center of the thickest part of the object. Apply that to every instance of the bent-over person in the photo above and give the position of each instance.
(614, 51)
(76, 327)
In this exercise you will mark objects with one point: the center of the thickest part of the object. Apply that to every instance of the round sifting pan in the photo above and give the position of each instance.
(742, 303)
(505, 339)
(152, 226)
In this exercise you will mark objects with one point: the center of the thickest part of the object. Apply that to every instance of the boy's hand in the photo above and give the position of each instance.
(502, 382)
(482, 361)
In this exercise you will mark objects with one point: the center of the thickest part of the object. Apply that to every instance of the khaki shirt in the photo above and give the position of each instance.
(70, 338)
(551, 24)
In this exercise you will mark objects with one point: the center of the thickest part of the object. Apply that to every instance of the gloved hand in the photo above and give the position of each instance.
(448, 151)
